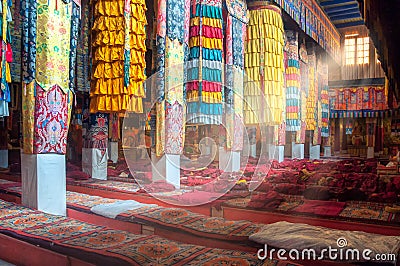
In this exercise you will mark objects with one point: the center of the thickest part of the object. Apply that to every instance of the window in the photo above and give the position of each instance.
(363, 50)
(356, 50)
(350, 50)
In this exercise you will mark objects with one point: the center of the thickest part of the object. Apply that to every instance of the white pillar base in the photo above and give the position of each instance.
(276, 153)
(315, 152)
(44, 182)
(229, 161)
(167, 168)
(370, 153)
(3, 158)
(113, 151)
(297, 151)
(327, 151)
(94, 163)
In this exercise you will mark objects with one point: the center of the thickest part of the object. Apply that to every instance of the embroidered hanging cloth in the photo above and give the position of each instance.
(322, 68)
(6, 58)
(118, 56)
(205, 71)
(292, 76)
(312, 98)
(264, 93)
(235, 33)
(172, 46)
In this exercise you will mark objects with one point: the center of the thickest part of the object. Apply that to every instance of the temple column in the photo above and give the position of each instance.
(264, 91)
(47, 102)
(114, 136)
(293, 92)
(235, 31)
(95, 149)
(298, 144)
(312, 106)
(172, 38)
(170, 128)
(117, 87)
(43, 158)
(371, 136)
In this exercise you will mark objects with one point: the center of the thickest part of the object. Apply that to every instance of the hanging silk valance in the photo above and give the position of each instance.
(359, 99)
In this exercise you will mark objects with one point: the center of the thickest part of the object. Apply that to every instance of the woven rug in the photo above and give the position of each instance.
(366, 210)
(173, 218)
(109, 185)
(65, 234)
(290, 202)
(198, 224)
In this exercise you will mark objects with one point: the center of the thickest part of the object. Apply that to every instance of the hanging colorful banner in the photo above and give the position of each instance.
(358, 102)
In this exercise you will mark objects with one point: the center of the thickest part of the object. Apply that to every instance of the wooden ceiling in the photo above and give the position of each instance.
(343, 13)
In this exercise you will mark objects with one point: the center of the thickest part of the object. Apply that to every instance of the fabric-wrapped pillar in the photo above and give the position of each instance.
(117, 85)
(6, 58)
(323, 85)
(292, 83)
(312, 105)
(114, 136)
(298, 145)
(235, 33)
(292, 77)
(47, 101)
(205, 63)
(264, 92)
(371, 136)
(172, 39)
(94, 151)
